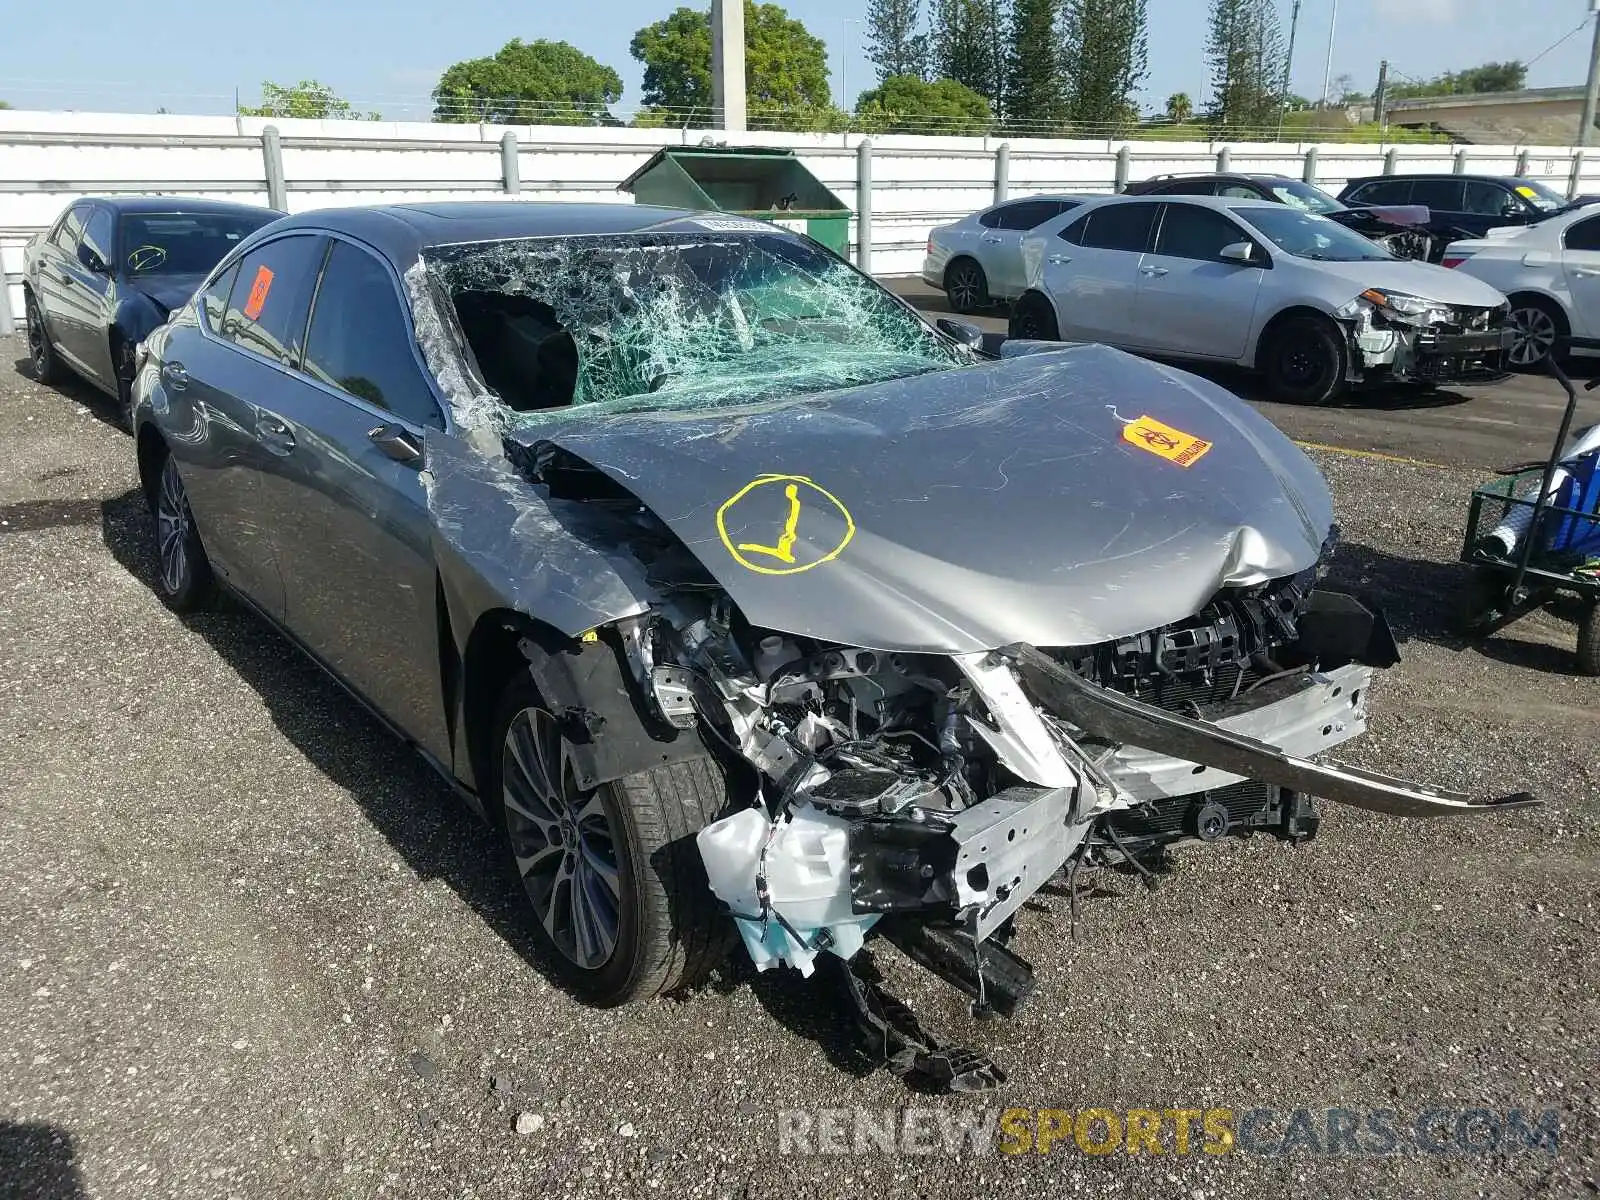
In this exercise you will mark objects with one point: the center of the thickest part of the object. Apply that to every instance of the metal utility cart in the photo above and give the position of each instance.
(1556, 510)
(769, 184)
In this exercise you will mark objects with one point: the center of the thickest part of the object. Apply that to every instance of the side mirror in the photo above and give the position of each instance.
(92, 261)
(1239, 252)
(969, 336)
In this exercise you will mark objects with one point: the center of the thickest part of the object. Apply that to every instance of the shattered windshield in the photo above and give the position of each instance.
(676, 320)
(1305, 197)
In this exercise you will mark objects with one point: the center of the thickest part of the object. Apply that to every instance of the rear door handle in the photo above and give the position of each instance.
(1059, 260)
(67, 279)
(175, 376)
(1584, 273)
(272, 433)
(1152, 271)
(993, 241)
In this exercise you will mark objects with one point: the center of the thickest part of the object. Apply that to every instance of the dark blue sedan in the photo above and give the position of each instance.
(108, 272)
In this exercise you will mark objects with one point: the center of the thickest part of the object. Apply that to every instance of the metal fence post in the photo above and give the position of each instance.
(1002, 172)
(1309, 173)
(864, 205)
(1461, 162)
(1390, 157)
(1124, 168)
(510, 167)
(1575, 179)
(1224, 160)
(1522, 162)
(272, 157)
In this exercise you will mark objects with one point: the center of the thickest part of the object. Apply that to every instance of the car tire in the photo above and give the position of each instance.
(122, 358)
(967, 286)
(1304, 360)
(41, 354)
(638, 918)
(184, 579)
(1537, 324)
(1589, 641)
(1034, 320)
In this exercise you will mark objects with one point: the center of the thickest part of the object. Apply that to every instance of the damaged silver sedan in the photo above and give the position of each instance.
(748, 604)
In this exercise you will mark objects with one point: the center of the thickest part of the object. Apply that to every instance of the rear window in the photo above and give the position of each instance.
(1383, 191)
(182, 243)
(271, 297)
(1443, 194)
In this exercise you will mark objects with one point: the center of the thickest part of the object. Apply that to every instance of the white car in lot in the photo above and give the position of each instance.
(1311, 305)
(1550, 271)
(978, 259)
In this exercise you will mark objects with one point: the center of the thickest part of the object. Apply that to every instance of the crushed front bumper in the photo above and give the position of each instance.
(1428, 354)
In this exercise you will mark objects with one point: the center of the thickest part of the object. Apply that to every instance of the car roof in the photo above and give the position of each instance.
(402, 231)
(178, 204)
(1408, 175)
(1218, 202)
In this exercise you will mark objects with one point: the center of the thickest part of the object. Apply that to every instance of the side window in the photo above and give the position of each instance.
(1120, 227)
(214, 300)
(1489, 199)
(992, 218)
(1383, 191)
(99, 232)
(1584, 235)
(359, 341)
(271, 295)
(1239, 191)
(1074, 230)
(1188, 231)
(69, 233)
(1187, 187)
(1441, 194)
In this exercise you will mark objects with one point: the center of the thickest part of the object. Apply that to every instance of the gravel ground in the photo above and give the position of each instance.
(250, 947)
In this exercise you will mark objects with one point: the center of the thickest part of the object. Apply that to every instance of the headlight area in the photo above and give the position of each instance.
(1402, 337)
(926, 797)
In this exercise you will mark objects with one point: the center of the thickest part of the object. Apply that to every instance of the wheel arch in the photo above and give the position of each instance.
(962, 256)
(1546, 298)
(1281, 318)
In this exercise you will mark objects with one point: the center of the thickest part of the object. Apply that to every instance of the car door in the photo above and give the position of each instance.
(1444, 198)
(1092, 273)
(95, 292)
(56, 283)
(999, 249)
(346, 504)
(1580, 263)
(1203, 304)
(220, 381)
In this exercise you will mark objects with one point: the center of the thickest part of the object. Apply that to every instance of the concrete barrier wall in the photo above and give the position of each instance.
(49, 159)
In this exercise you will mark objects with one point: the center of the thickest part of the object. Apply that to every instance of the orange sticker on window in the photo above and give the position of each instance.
(258, 292)
(1174, 445)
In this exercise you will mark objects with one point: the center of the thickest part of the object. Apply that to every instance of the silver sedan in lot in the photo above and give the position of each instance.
(978, 259)
(1311, 305)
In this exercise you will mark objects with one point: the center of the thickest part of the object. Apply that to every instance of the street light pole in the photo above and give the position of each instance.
(1327, 70)
(1592, 92)
(1288, 67)
(844, 65)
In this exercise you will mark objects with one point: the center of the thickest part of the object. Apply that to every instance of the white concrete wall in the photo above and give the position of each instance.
(48, 159)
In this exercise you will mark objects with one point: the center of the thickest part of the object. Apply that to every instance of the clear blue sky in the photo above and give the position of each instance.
(387, 54)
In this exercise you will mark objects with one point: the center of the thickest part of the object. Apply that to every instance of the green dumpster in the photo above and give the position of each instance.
(760, 182)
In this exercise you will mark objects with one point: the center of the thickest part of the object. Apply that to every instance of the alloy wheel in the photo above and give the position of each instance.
(38, 353)
(963, 287)
(561, 836)
(1533, 336)
(173, 523)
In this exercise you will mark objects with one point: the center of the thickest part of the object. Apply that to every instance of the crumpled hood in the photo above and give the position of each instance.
(972, 508)
(1428, 280)
(167, 291)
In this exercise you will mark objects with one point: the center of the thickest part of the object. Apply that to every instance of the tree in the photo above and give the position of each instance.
(1034, 91)
(968, 45)
(532, 83)
(1490, 77)
(895, 43)
(786, 68)
(5, 104)
(307, 99)
(906, 104)
(1180, 109)
(1244, 50)
(1104, 58)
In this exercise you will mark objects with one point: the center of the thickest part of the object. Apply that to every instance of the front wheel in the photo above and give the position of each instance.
(122, 359)
(619, 894)
(1034, 320)
(1304, 361)
(41, 354)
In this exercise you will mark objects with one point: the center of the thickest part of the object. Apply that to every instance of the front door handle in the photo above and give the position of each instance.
(396, 441)
(175, 376)
(1153, 272)
(1059, 260)
(66, 279)
(993, 241)
(276, 436)
(1584, 273)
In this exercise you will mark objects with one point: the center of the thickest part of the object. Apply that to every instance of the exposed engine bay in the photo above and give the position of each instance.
(1394, 338)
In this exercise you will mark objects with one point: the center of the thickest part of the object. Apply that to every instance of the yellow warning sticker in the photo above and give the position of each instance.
(1527, 193)
(1162, 440)
(799, 525)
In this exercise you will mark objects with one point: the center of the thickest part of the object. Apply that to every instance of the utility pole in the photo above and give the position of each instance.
(844, 66)
(1592, 92)
(1288, 66)
(1381, 97)
(1327, 70)
(727, 65)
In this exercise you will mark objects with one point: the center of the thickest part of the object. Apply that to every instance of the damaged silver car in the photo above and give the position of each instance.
(747, 603)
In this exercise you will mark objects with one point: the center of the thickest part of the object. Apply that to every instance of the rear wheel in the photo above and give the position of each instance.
(1034, 320)
(41, 354)
(1304, 361)
(1536, 325)
(183, 572)
(966, 285)
(613, 875)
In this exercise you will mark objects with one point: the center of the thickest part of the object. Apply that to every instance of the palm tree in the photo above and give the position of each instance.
(1179, 108)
